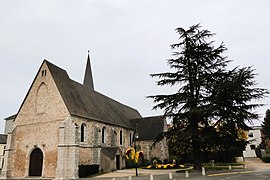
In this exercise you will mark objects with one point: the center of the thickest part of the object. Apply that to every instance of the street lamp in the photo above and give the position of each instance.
(136, 137)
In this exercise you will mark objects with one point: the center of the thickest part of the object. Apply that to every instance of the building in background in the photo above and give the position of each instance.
(254, 139)
(3, 143)
(9, 122)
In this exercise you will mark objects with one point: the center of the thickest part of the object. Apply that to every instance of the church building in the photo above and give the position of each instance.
(62, 124)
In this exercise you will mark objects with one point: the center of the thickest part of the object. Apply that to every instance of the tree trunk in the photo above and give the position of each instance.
(196, 143)
(197, 155)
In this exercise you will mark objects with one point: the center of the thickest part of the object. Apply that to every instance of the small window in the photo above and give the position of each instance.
(252, 147)
(3, 163)
(83, 128)
(4, 151)
(121, 138)
(130, 139)
(43, 73)
(114, 138)
(103, 135)
(250, 134)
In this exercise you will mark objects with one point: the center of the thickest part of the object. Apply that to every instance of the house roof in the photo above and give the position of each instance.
(11, 117)
(3, 139)
(255, 127)
(149, 128)
(85, 102)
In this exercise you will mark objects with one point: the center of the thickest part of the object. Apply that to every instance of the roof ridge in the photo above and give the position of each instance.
(106, 96)
(82, 101)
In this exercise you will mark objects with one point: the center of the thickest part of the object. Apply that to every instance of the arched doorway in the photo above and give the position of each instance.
(36, 162)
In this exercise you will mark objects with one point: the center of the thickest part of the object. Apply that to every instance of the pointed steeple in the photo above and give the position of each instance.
(88, 78)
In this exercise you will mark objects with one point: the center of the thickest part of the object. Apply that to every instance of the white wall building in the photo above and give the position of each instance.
(3, 142)
(254, 139)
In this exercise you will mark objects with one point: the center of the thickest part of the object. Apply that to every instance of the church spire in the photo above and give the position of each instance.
(88, 78)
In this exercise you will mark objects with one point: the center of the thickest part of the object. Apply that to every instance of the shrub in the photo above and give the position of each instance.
(86, 170)
(130, 163)
(258, 152)
(156, 160)
(146, 162)
(266, 159)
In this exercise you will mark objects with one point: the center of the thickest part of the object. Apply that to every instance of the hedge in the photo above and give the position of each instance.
(86, 170)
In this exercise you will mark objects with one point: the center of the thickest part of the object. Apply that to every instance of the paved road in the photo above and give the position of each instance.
(240, 175)
(244, 175)
(232, 175)
(255, 170)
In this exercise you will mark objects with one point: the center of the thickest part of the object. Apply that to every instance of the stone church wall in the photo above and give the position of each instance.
(37, 126)
(68, 151)
(90, 147)
(160, 150)
(65, 142)
(107, 164)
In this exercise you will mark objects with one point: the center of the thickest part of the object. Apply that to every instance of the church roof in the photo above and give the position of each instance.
(85, 102)
(110, 152)
(149, 128)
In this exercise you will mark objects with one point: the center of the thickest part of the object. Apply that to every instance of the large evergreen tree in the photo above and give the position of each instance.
(211, 102)
(266, 128)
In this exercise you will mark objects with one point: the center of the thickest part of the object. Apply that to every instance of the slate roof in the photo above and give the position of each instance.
(11, 117)
(110, 152)
(88, 77)
(85, 102)
(3, 139)
(149, 128)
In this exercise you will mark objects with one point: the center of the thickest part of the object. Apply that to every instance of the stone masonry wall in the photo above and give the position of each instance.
(89, 149)
(37, 126)
(68, 151)
(160, 150)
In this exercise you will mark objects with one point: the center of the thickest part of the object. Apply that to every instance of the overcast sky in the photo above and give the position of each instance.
(127, 40)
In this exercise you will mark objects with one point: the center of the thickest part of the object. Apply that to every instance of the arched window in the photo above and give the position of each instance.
(83, 130)
(42, 98)
(121, 137)
(103, 135)
(96, 136)
(114, 138)
(130, 139)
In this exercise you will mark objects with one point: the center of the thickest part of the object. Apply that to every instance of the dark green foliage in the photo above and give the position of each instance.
(142, 163)
(266, 125)
(258, 152)
(86, 170)
(211, 104)
(265, 144)
(130, 163)
(266, 159)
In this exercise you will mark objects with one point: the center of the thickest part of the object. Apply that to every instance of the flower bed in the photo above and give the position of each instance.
(164, 166)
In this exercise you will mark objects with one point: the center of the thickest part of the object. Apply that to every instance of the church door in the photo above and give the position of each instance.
(36, 162)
